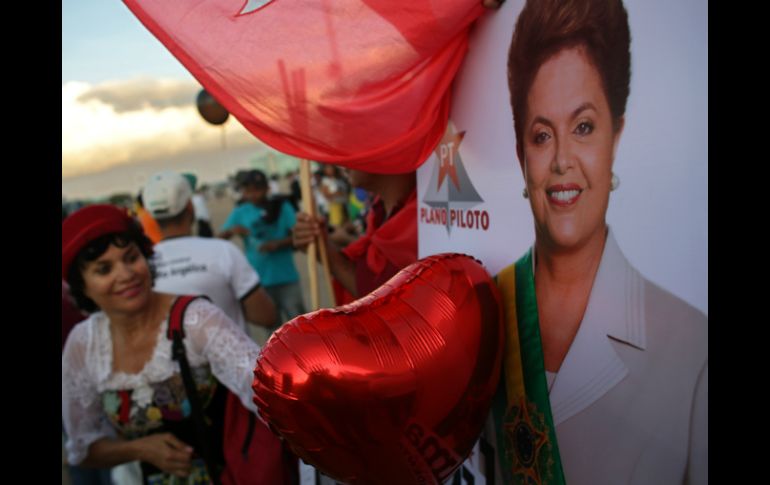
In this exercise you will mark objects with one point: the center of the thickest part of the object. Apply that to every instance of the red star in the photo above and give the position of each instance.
(447, 152)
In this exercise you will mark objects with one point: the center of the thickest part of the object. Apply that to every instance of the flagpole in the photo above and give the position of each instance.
(309, 208)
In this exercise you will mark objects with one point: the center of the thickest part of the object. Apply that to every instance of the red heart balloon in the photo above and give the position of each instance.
(395, 387)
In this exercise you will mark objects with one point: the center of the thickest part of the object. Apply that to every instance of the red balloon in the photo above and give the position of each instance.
(395, 387)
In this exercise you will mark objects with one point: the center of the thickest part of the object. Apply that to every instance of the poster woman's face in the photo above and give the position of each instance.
(569, 145)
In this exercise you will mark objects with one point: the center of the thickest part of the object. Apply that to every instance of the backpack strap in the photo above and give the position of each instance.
(175, 333)
(176, 314)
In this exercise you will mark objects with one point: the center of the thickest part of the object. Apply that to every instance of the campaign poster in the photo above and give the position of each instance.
(470, 189)
(472, 200)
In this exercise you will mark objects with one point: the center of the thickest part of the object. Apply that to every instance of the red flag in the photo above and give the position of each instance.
(360, 83)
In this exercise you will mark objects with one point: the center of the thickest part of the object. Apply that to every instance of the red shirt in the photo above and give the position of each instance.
(387, 246)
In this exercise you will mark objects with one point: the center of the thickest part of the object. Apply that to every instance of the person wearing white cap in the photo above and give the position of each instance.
(187, 264)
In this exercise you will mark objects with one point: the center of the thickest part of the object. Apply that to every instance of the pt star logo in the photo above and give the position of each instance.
(458, 192)
(447, 152)
(525, 441)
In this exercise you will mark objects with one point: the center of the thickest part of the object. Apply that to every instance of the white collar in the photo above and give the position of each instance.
(616, 310)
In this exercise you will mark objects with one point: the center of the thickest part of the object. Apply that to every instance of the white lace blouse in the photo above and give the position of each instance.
(210, 338)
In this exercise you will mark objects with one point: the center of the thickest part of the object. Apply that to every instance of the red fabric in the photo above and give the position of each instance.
(87, 224)
(176, 317)
(385, 248)
(360, 83)
(125, 406)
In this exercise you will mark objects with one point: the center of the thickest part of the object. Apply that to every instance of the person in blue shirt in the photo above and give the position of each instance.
(265, 224)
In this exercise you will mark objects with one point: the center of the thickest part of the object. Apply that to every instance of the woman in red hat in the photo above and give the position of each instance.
(123, 398)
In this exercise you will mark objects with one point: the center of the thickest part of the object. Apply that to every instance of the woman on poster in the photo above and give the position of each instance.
(605, 376)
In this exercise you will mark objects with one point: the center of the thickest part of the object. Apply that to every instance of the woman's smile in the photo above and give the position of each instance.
(131, 291)
(563, 195)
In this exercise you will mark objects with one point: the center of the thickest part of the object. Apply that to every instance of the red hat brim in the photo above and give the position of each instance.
(86, 225)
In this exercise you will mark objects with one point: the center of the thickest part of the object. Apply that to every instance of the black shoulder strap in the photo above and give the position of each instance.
(176, 335)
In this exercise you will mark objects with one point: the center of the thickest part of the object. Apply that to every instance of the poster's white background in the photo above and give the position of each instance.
(659, 214)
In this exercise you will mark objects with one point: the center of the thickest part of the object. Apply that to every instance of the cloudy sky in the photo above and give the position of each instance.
(127, 102)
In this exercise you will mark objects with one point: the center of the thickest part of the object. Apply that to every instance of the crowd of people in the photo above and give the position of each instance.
(123, 406)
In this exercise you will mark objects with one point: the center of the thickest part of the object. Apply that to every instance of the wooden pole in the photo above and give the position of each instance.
(309, 208)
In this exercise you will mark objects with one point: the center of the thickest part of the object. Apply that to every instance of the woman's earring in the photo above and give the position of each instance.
(525, 193)
(615, 183)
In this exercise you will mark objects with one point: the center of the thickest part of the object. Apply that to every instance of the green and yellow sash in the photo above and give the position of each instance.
(526, 437)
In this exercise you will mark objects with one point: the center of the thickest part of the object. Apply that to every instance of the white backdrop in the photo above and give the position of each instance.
(659, 214)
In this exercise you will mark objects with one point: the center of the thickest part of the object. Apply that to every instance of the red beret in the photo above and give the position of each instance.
(87, 224)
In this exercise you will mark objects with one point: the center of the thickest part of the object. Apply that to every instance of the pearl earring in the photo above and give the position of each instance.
(615, 183)
(525, 193)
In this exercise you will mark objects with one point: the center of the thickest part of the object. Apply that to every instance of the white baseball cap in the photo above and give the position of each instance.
(166, 194)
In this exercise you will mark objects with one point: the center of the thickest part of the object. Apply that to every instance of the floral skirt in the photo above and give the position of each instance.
(198, 476)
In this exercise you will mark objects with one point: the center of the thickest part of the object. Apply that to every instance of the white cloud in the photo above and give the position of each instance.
(135, 94)
(108, 124)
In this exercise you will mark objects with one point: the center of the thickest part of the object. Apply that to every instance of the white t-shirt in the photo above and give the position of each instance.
(205, 266)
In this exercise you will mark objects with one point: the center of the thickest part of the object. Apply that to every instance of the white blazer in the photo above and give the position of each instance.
(630, 401)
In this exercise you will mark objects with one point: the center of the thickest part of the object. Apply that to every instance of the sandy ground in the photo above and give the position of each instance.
(219, 209)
